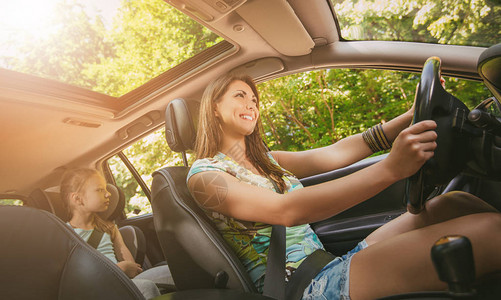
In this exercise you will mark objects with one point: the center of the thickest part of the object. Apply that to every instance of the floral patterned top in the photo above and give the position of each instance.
(251, 240)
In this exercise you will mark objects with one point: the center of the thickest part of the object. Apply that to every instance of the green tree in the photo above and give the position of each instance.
(16, 202)
(149, 37)
(473, 22)
(315, 109)
(76, 42)
(318, 108)
(147, 155)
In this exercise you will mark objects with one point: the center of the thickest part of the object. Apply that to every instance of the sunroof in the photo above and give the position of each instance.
(474, 23)
(110, 46)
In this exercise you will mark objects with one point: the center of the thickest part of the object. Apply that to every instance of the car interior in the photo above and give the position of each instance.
(49, 126)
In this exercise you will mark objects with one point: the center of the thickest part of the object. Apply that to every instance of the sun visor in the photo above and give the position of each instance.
(261, 68)
(278, 24)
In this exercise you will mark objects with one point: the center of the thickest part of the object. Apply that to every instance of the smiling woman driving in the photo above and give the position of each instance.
(245, 188)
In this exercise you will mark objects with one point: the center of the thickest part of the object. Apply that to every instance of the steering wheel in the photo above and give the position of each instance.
(432, 102)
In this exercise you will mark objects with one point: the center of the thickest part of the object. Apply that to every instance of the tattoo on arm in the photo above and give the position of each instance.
(210, 190)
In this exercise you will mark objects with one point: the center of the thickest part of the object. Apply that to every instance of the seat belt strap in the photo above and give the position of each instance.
(95, 238)
(274, 280)
(306, 272)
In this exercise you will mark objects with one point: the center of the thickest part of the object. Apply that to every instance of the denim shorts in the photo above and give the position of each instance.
(333, 281)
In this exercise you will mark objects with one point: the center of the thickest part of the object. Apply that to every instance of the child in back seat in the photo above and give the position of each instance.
(84, 194)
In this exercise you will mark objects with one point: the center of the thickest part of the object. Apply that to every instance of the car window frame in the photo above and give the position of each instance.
(110, 178)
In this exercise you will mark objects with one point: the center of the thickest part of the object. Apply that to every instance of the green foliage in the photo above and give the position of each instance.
(150, 37)
(318, 108)
(152, 153)
(65, 53)
(470, 92)
(315, 109)
(146, 155)
(473, 22)
(16, 202)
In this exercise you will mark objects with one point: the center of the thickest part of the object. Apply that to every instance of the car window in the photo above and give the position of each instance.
(7, 201)
(314, 109)
(132, 169)
(474, 23)
(98, 45)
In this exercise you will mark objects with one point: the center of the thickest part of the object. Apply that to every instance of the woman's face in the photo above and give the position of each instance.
(237, 109)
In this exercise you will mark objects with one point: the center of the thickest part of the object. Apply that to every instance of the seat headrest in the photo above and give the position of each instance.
(117, 203)
(49, 201)
(39, 199)
(489, 68)
(181, 120)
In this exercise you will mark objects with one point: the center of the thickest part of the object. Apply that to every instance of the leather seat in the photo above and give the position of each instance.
(49, 201)
(133, 236)
(43, 258)
(197, 254)
(135, 241)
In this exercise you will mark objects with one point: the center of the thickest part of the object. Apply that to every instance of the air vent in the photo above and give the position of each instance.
(81, 123)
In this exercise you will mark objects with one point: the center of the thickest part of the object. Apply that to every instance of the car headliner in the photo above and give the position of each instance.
(48, 126)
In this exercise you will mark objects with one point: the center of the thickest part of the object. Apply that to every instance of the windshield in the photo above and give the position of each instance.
(110, 46)
(474, 23)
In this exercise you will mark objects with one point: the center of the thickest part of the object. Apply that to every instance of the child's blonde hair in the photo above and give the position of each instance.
(73, 182)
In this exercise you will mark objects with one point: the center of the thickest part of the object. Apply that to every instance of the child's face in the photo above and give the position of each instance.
(95, 197)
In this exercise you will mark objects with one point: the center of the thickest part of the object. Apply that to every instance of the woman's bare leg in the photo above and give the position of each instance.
(403, 264)
(439, 209)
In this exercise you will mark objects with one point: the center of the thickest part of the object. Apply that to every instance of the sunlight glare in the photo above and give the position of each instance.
(30, 17)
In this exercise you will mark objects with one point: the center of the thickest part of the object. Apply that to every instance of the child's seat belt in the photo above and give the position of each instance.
(95, 238)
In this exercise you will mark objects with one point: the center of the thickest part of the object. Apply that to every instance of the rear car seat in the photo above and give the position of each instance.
(133, 236)
(43, 258)
(50, 200)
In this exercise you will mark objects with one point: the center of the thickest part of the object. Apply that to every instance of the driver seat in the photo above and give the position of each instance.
(198, 255)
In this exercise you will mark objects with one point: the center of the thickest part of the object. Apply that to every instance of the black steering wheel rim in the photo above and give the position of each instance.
(430, 77)
(432, 102)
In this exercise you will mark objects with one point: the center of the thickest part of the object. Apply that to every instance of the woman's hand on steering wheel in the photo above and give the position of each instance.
(412, 148)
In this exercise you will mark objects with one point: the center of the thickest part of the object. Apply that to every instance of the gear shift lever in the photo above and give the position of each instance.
(452, 257)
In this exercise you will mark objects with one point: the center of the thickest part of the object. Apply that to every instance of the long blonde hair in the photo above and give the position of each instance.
(74, 181)
(209, 135)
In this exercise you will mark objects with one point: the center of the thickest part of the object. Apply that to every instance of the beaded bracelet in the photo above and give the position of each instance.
(376, 139)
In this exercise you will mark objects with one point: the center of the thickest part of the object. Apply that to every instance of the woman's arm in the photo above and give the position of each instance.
(341, 154)
(125, 259)
(225, 194)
